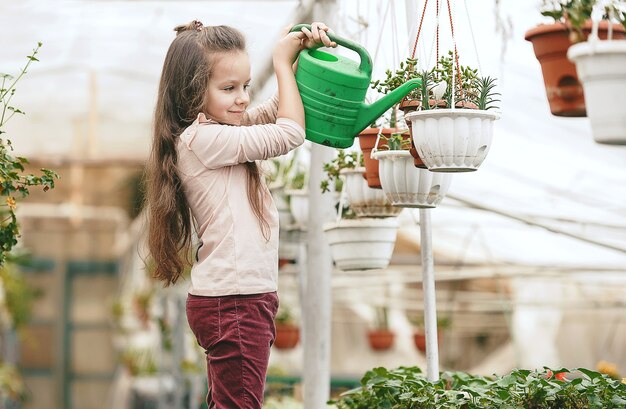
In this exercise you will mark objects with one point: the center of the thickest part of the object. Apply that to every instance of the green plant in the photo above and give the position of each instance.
(397, 141)
(18, 298)
(11, 385)
(436, 90)
(139, 361)
(464, 90)
(333, 170)
(13, 180)
(417, 320)
(285, 316)
(407, 387)
(278, 171)
(575, 13)
(486, 94)
(407, 71)
(382, 318)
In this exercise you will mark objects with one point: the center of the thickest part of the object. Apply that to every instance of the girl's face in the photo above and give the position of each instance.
(227, 96)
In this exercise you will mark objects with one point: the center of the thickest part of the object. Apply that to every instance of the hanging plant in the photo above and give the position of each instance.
(440, 90)
(287, 329)
(571, 25)
(404, 185)
(596, 61)
(381, 337)
(385, 126)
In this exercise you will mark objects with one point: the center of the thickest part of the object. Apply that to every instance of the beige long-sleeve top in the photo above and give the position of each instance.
(234, 257)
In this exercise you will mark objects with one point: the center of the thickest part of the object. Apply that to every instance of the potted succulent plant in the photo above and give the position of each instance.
(596, 60)
(287, 330)
(449, 93)
(404, 185)
(380, 337)
(571, 24)
(356, 243)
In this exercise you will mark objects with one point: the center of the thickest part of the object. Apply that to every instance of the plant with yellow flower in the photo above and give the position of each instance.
(14, 182)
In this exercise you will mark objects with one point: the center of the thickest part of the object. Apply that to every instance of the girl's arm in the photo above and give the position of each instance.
(267, 112)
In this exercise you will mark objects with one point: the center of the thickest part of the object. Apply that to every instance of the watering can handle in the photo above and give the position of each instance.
(366, 61)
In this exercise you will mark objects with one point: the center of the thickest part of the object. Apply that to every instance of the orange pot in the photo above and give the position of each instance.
(406, 107)
(367, 140)
(419, 338)
(563, 89)
(380, 339)
(287, 336)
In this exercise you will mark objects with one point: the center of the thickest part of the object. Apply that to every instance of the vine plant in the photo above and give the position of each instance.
(14, 181)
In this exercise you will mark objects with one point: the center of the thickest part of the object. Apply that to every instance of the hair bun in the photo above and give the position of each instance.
(194, 25)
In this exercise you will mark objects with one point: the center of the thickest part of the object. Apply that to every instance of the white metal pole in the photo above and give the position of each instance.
(317, 300)
(426, 248)
(430, 302)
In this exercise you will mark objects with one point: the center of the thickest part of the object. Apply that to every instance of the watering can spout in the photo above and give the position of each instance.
(369, 113)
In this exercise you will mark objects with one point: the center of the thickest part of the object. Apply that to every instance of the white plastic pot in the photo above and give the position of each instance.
(452, 140)
(285, 219)
(299, 206)
(362, 244)
(601, 67)
(365, 201)
(407, 186)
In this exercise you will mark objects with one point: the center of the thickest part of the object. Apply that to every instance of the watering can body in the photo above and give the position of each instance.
(333, 89)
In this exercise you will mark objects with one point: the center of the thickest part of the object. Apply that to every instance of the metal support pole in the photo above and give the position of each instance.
(430, 302)
(317, 300)
(426, 249)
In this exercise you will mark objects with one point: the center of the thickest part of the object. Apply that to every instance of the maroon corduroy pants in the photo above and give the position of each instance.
(236, 332)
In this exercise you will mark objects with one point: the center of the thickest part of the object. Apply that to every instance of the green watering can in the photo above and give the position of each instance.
(333, 91)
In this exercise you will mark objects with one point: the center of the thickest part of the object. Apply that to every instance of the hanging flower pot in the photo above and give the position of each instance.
(406, 186)
(287, 336)
(365, 201)
(299, 206)
(285, 219)
(380, 339)
(362, 244)
(419, 339)
(406, 106)
(452, 140)
(563, 89)
(601, 66)
(367, 141)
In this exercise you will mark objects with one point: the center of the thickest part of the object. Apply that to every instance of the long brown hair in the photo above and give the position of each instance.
(182, 89)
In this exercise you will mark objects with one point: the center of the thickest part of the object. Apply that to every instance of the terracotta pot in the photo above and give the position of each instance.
(563, 89)
(406, 107)
(367, 140)
(283, 261)
(419, 338)
(380, 339)
(287, 336)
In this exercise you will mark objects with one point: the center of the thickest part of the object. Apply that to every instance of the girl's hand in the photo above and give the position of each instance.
(290, 45)
(317, 36)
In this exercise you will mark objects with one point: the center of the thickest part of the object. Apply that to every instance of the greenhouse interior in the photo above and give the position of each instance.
(418, 264)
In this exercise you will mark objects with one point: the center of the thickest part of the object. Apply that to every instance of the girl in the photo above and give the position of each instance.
(202, 168)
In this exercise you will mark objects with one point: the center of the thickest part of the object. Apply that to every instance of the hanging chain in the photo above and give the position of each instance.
(456, 53)
(437, 38)
(419, 29)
